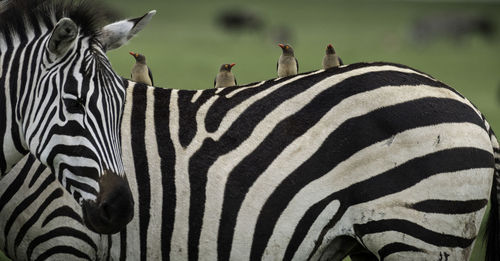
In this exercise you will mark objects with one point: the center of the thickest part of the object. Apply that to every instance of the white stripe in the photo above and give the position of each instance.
(179, 243)
(133, 235)
(315, 229)
(154, 244)
(238, 90)
(196, 95)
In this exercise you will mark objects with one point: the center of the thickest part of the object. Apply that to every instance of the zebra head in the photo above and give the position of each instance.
(64, 102)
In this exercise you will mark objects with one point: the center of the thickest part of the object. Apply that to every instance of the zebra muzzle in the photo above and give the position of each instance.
(113, 208)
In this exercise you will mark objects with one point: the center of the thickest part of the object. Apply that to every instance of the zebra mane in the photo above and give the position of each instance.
(18, 15)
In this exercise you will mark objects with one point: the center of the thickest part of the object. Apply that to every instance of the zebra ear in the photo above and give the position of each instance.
(62, 37)
(117, 34)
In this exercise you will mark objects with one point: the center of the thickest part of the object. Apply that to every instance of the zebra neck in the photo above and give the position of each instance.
(13, 81)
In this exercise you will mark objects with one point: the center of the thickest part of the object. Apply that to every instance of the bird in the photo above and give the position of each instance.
(225, 78)
(287, 63)
(141, 72)
(331, 58)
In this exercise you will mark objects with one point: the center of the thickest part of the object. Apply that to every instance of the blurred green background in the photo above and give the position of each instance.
(185, 45)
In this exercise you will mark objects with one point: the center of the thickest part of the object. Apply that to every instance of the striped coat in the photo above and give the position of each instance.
(374, 157)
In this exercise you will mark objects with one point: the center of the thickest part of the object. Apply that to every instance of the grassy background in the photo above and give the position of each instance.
(185, 48)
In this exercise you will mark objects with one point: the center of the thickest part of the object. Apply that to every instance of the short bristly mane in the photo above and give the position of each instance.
(18, 15)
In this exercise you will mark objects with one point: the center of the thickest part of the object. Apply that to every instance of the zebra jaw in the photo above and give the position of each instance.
(113, 208)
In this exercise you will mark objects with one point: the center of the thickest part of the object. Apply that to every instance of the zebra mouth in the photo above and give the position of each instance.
(114, 207)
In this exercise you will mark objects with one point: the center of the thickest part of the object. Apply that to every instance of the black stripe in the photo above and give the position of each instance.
(123, 244)
(63, 211)
(28, 200)
(348, 139)
(409, 228)
(305, 224)
(34, 69)
(166, 152)
(449, 206)
(13, 77)
(395, 248)
(57, 193)
(3, 103)
(137, 128)
(224, 104)
(70, 183)
(261, 108)
(87, 172)
(58, 250)
(37, 174)
(187, 113)
(59, 232)
(46, 115)
(389, 182)
(110, 243)
(24, 72)
(17, 183)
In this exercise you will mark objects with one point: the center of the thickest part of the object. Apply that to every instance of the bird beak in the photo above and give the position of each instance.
(132, 53)
(281, 45)
(329, 46)
(231, 65)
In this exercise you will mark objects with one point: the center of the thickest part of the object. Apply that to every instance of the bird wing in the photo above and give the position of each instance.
(215, 80)
(277, 65)
(235, 82)
(340, 61)
(150, 76)
(297, 63)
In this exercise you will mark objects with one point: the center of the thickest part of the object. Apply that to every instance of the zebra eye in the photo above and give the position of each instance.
(75, 105)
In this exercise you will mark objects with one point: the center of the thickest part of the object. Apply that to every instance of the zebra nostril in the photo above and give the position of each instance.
(105, 211)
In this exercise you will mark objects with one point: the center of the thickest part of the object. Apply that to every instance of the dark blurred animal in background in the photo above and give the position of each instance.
(237, 19)
(281, 34)
(455, 26)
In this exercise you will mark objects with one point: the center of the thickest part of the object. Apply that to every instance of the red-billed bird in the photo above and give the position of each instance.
(141, 72)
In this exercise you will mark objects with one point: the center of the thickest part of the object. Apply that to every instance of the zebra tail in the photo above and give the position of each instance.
(493, 225)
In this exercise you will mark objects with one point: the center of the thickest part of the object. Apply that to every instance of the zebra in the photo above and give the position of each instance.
(371, 160)
(61, 101)
(40, 219)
